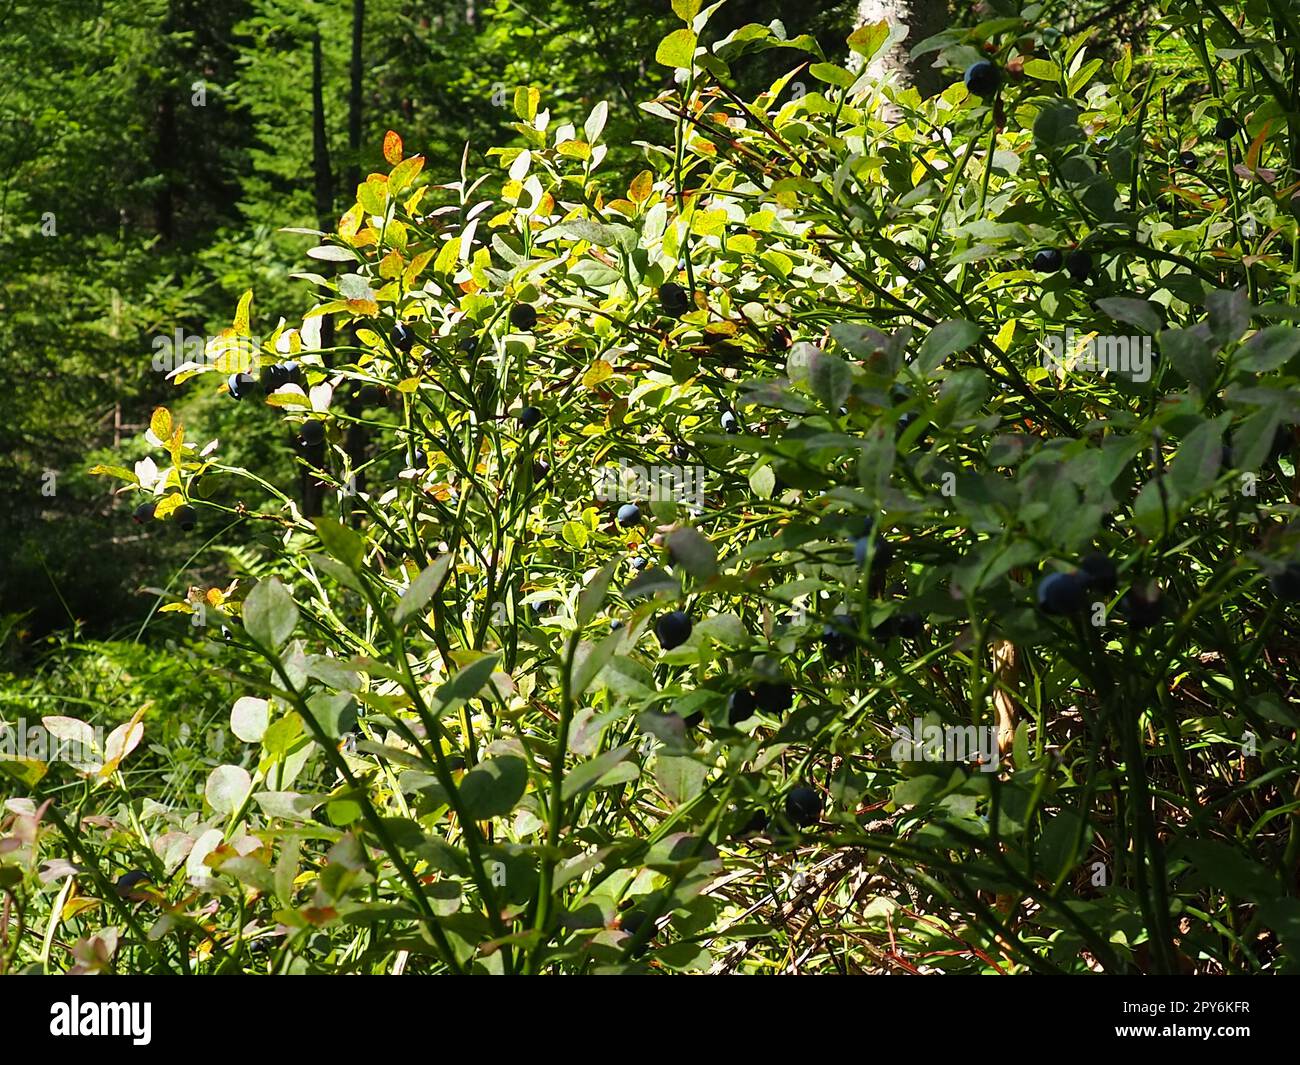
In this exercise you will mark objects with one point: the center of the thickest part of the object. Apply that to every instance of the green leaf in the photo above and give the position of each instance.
(680, 777)
(1057, 126)
(677, 49)
(869, 38)
(342, 543)
(828, 377)
(1196, 464)
(270, 614)
(590, 772)
(593, 596)
(1190, 355)
(421, 590)
(468, 682)
(493, 787)
(832, 74)
(590, 659)
(1271, 347)
(1228, 314)
(946, 338)
(227, 787)
(249, 718)
(1141, 314)
(686, 10)
(689, 549)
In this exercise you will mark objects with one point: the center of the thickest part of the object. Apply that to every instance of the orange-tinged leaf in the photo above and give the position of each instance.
(160, 422)
(417, 266)
(363, 307)
(240, 324)
(1252, 153)
(622, 206)
(176, 445)
(351, 221)
(642, 185)
(392, 148)
(597, 372)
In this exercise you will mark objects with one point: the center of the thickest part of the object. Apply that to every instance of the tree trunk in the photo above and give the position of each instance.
(354, 97)
(922, 19)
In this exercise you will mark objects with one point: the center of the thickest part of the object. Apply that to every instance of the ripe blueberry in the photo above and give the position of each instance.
(729, 421)
(1143, 607)
(529, 416)
(983, 78)
(837, 638)
(127, 882)
(629, 514)
(240, 385)
(803, 806)
(1047, 261)
(274, 376)
(1098, 572)
(673, 300)
(420, 461)
(740, 706)
(1078, 264)
(540, 469)
(143, 513)
(312, 432)
(1061, 593)
(1285, 582)
(774, 697)
(779, 339)
(1225, 128)
(909, 625)
(523, 316)
(1187, 160)
(403, 338)
(673, 629)
(185, 517)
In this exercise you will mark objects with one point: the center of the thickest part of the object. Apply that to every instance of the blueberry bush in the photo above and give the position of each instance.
(862, 541)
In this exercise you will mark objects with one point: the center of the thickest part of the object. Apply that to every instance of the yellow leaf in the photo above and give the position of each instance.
(240, 324)
(120, 472)
(526, 101)
(392, 148)
(413, 200)
(176, 608)
(160, 423)
(622, 206)
(76, 906)
(447, 257)
(404, 173)
(167, 504)
(176, 445)
(597, 372)
(1008, 330)
(372, 195)
(416, 267)
(408, 385)
(351, 221)
(709, 223)
(575, 150)
(392, 264)
(642, 185)
(395, 235)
